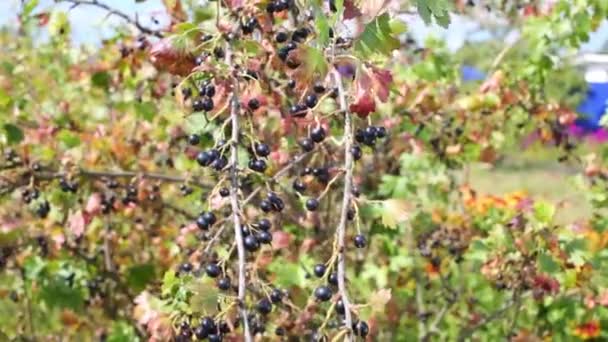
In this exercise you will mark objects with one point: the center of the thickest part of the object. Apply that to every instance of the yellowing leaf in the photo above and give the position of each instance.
(378, 299)
(394, 212)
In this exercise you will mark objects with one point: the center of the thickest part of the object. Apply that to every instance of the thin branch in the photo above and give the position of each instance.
(234, 191)
(348, 183)
(148, 175)
(467, 332)
(112, 11)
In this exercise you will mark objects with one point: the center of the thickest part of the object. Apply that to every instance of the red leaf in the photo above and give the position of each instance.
(371, 83)
(166, 57)
(364, 103)
(93, 204)
(76, 223)
(280, 239)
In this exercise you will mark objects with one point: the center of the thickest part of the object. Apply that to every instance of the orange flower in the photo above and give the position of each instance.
(588, 330)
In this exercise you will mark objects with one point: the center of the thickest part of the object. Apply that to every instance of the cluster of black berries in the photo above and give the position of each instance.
(130, 195)
(256, 163)
(369, 135)
(205, 100)
(30, 194)
(317, 135)
(272, 203)
(278, 6)
(212, 158)
(67, 186)
(207, 329)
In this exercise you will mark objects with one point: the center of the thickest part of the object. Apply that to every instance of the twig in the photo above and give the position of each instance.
(234, 191)
(467, 332)
(112, 11)
(348, 183)
(148, 175)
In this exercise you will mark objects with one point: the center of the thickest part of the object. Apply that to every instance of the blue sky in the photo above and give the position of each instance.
(90, 24)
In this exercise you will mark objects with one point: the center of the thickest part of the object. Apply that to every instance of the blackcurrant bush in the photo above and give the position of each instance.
(323, 293)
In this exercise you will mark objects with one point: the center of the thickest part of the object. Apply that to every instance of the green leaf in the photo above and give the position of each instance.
(322, 25)
(101, 79)
(547, 264)
(5, 99)
(544, 212)
(57, 294)
(205, 295)
(145, 110)
(13, 134)
(314, 62)
(139, 276)
(59, 24)
(397, 26)
(438, 9)
(28, 7)
(122, 332)
(377, 38)
(69, 139)
(393, 212)
(170, 280)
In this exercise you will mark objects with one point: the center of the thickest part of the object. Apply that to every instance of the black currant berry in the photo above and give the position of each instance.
(220, 163)
(281, 37)
(276, 295)
(265, 205)
(381, 132)
(361, 328)
(307, 144)
(224, 192)
(340, 307)
(264, 237)
(319, 270)
(291, 84)
(299, 186)
(207, 103)
(333, 279)
(319, 88)
(264, 306)
(212, 270)
(224, 284)
(253, 104)
(251, 243)
(356, 152)
(360, 241)
(311, 101)
(194, 139)
(312, 204)
(202, 223)
(323, 293)
(258, 165)
(264, 224)
(185, 267)
(262, 150)
(214, 338)
(208, 90)
(209, 217)
(317, 134)
(204, 158)
(197, 105)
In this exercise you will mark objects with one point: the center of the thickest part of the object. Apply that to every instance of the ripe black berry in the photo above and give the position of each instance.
(224, 284)
(291, 84)
(262, 150)
(323, 293)
(264, 306)
(361, 328)
(298, 110)
(311, 101)
(214, 338)
(204, 158)
(299, 186)
(312, 204)
(318, 88)
(282, 53)
(340, 307)
(194, 139)
(276, 295)
(360, 241)
(207, 103)
(208, 90)
(209, 217)
(251, 243)
(319, 270)
(224, 192)
(281, 37)
(307, 144)
(258, 165)
(200, 333)
(356, 152)
(253, 104)
(202, 223)
(333, 279)
(264, 224)
(265, 205)
(218, 52)
(212, 270)
(380, 132)
(185, 267)
(276, 201)
(264, 237)
(220, 163)
(300, 34)
(317, 134)
(197, 105)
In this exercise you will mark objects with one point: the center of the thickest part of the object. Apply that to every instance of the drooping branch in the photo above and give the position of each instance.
(112, 11)
(346, 199)
(234, 202)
